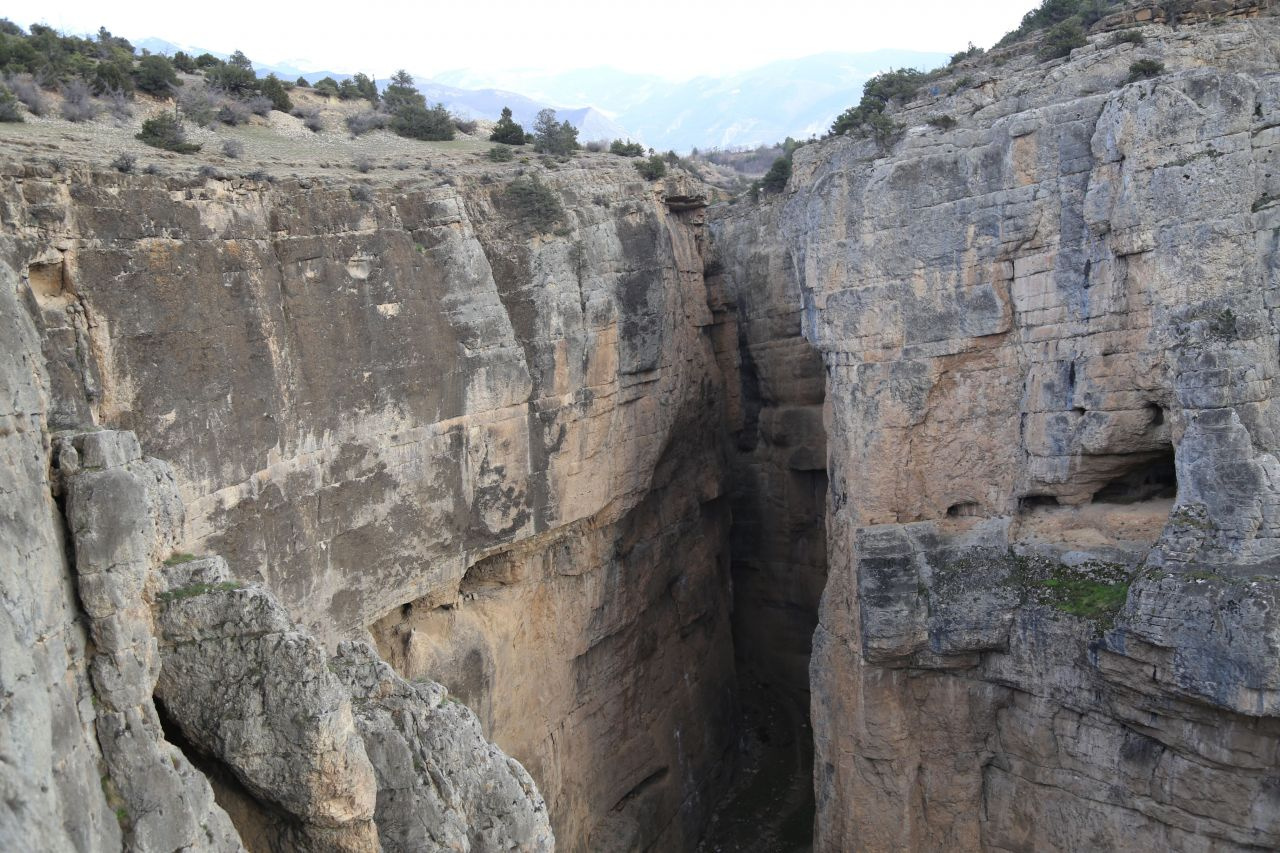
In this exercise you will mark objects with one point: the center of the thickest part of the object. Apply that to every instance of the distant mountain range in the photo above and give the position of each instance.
(792, 97)
(763, 105)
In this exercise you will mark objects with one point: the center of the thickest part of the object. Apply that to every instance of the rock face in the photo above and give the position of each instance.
(122, 513)
(991, 406)
(405, 416)
(1050, 349)
(257, 703)
(775, 387)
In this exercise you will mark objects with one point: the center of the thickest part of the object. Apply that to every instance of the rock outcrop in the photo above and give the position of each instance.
(1050, 350)
(410, 417)
(185, 655)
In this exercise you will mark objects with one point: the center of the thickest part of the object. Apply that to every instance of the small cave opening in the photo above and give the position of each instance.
(1155, 478)
(48, 282)
(1030, 503)
(964, 509)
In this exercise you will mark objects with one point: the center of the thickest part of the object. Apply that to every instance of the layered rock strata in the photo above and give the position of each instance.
(1050, 346)
(578, 477)
(413, 418)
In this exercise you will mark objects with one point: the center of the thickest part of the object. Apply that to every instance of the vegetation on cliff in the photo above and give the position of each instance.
(1061, 25)
(554, 137)
(1051, 14)
(534, 203)
(166, 131)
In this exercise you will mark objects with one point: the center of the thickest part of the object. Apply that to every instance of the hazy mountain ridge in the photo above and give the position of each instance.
(761, 105)
(791, 97)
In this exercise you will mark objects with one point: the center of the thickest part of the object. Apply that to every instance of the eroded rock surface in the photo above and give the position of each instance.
(409, 417)
(256, 702)
(578, 478)
(1050, 350)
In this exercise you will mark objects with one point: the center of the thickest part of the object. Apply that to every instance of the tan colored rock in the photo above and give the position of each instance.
(366, 397)
(1050, 359)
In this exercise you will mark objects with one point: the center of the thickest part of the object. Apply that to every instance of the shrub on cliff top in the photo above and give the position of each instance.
(1051, 13)
(1062, 39)
(366, 120)
(653, 168)
(400, 92)
(235, 76)
(552, 137)
(868, 118)
(166, 131)
(273, 88)
(155, 75)
(77, 104)
(626, 149)
(25, 88)
(9, 106)
(534, 202)
(418, 122)
(775, 180)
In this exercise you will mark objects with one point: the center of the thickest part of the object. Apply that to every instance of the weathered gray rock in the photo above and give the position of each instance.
(50, 781)
(441, 785)
(375, 404)
(123, 514)
(246, 686)
(1050, 355)
(256, 694)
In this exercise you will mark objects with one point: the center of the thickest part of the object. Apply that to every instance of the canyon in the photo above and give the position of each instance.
(930, 503)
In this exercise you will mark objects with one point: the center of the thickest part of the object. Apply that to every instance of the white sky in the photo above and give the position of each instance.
(673, 38)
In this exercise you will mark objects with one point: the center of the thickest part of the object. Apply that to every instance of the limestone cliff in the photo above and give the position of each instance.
(412, 419)
(1050, 346)
(344, 513)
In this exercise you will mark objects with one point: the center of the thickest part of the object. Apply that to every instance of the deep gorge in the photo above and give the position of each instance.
(927, 504)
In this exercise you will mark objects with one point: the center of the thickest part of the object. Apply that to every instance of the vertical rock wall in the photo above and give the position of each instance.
(415, 419)
(1050, 344)
(777, 445)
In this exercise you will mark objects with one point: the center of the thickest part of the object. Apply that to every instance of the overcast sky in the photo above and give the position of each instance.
(674, 38)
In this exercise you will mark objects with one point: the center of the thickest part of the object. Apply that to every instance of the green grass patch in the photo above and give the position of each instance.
(197, 589)
(1088, 599)
(177, 558)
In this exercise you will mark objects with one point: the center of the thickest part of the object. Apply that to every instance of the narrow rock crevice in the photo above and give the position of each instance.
(777, 441)
(261, 827)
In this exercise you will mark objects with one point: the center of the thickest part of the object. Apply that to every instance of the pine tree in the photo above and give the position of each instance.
(507, 130)
(552, 137)
(417, 122)
(401, 92)
(235, 76)
(274, 89)
(775, 180)
(155, 75)
(366, 88)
